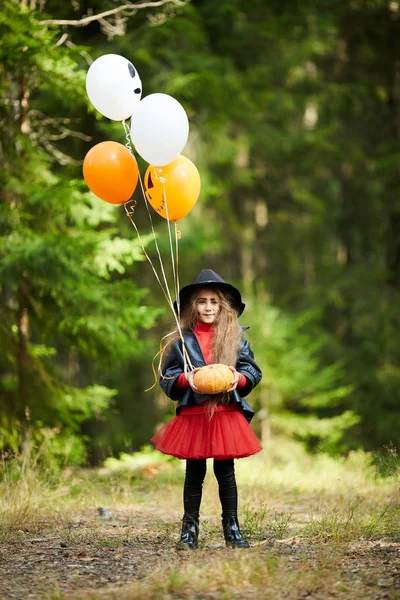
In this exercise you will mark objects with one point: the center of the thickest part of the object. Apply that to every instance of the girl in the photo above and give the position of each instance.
(209, 426)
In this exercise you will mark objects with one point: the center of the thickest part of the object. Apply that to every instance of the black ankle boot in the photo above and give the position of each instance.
(233, 537)
(189, 534)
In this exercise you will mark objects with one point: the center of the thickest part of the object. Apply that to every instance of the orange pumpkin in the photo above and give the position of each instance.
(213, 379)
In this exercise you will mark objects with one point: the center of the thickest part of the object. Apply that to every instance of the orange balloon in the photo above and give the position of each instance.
(175, 187)
(111, 172)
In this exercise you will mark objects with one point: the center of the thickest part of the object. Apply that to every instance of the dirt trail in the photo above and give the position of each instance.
(91, 556)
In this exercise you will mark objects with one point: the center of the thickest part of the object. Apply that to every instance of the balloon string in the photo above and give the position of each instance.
(128, 145)
(174, 261)
(178, 236)
(186, 357)
(130, 211)
(156, 245)
(127, 136)
(160, 353)
(165, 290)
(170, 243)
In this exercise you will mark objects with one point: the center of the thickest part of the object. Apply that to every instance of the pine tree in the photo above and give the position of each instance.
(68, 309)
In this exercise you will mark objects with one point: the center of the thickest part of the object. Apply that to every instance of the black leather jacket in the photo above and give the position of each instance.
(173, 367)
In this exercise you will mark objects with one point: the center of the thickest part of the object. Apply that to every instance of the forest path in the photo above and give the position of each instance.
(132, 555)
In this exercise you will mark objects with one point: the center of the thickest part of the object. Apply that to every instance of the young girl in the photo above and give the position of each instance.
(209, 426)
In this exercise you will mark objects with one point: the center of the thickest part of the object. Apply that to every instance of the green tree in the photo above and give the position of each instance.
(68, 312)
(296, 117)
(294, 128)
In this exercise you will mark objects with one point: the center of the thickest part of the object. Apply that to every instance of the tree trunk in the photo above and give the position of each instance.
(393, 227)
(22, 358)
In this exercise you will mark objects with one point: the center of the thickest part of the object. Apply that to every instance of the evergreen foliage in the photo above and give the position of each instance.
(70, 309)
(294, 115)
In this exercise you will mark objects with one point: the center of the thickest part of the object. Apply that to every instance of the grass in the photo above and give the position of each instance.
(319, 527)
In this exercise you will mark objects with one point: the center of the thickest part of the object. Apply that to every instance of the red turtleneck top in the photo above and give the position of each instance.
(204, 334)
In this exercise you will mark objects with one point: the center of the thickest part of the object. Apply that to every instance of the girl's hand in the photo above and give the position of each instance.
(236, 379)
(190, 376)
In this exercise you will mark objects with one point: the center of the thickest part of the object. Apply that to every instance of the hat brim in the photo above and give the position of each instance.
(232, 293)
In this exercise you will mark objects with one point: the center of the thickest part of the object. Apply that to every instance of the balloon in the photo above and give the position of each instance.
(111, 172)
(175, 186)
(113, 86)
(159, 129)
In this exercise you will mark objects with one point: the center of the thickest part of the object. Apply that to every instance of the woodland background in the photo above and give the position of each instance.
(295, 129)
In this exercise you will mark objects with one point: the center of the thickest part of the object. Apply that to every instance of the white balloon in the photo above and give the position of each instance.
(159, 129)
(113, 86)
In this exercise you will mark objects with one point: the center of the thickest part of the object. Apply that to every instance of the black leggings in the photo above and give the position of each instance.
(195, 473)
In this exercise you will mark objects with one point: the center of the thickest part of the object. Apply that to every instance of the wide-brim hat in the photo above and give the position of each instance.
(210, 279)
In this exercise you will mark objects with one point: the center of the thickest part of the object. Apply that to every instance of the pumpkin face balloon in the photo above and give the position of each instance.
(173, 190)
(213, 379)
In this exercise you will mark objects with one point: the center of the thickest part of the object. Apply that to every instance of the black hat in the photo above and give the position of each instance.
(209, 278)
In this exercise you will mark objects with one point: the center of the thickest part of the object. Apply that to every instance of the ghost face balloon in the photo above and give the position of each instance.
(113, 86)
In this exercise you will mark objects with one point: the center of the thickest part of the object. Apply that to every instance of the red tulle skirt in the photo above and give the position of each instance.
(194, 434)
